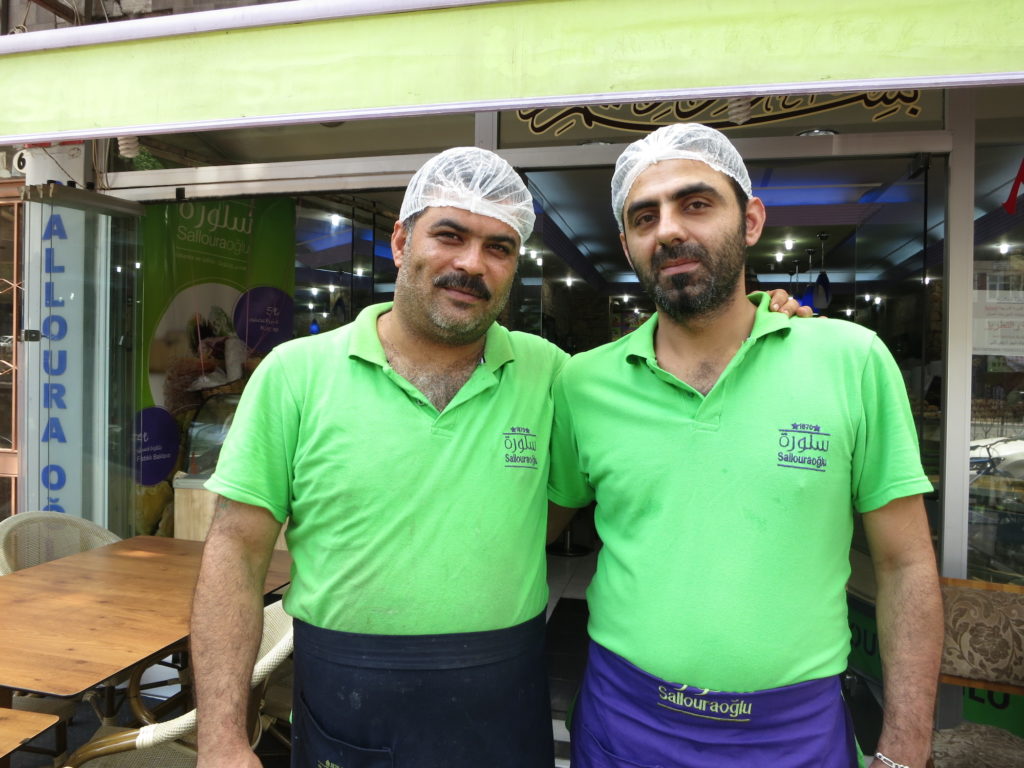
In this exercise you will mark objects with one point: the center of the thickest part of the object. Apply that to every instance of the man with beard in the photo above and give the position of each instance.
(408, 453)
(728, 450)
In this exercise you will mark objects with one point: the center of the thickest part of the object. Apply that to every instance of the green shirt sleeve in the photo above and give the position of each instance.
(886, 457)
(567, 485)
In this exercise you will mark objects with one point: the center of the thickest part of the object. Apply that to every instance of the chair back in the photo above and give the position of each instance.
(983, 646)
(32, 538)
(275, 646)
(276, 643)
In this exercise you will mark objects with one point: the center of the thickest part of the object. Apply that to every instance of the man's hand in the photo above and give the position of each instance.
(782, 302)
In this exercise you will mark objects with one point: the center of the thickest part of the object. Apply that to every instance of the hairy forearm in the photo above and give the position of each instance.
(909, 612)
(227, 622)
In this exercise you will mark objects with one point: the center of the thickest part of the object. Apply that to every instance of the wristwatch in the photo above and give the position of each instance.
(889, 761)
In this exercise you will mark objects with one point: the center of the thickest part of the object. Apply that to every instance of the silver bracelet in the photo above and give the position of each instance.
(889, 761)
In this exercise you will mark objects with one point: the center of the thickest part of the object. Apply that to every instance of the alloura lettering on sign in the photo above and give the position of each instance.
(54, 395)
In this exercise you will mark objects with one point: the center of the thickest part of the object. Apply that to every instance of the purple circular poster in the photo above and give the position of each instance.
(156, 445)
(263, 318)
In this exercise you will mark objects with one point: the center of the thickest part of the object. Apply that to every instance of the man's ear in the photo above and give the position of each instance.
(625, 250)
(398, 237)
(754, 217)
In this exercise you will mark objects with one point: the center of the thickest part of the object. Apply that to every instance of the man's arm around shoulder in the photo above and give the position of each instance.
(909, 613)
(227, 621)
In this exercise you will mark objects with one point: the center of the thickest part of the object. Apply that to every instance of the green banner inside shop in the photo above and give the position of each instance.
(217, 289)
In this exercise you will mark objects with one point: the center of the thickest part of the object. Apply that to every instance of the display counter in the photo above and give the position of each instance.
(193, 509)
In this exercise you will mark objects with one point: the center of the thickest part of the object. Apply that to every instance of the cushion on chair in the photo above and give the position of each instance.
(984, 635)
(971, 745)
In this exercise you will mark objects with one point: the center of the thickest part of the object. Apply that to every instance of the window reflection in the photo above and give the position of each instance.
(343, 262)
(996, 497)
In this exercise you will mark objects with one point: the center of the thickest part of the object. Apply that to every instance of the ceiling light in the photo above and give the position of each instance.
(818, 132)
(540, 262)
(788, 242)
(568, 281)
(1004, 248)
(335, 219)
(332, 288)
(310, 305)
(878, 299)
(128, 146)
(625, 298)
(848, 312)
(739, 109)
(533, 254)
(313, 290)
(778, 256)
(867, 297)
(359, 272)
(522, 250)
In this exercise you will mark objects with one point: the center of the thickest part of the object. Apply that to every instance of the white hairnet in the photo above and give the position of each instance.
(474, 180)
(682, 141)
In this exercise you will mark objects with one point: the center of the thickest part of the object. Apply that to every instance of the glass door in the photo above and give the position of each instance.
(74, 354)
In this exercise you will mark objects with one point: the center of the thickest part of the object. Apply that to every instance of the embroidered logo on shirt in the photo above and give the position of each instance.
(697, 703)
(803, 446)
(520, 448)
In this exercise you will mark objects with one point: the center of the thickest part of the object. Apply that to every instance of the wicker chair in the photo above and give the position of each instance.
(170, 744)
(983, 648)
(32, 538)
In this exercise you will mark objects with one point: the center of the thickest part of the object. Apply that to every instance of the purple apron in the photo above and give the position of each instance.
(626, 718)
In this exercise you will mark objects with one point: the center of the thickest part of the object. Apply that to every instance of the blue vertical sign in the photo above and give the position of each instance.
(54, 373)
(55, 363)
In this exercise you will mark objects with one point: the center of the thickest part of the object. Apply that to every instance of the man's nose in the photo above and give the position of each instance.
(671, 228)
(470, 259)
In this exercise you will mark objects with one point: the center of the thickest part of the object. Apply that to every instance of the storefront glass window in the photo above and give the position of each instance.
(343, 262)
(996, 496)
(9, 297)
(8, 309)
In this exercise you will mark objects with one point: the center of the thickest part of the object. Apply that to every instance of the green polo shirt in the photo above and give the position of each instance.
(726, 519)
(402, 520)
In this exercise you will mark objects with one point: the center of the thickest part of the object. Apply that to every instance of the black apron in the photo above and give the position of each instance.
(421, 701)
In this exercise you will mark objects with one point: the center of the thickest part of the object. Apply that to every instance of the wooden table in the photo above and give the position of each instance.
(72, 623)
(18, 727)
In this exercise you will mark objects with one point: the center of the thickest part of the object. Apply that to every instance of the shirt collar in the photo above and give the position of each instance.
(365, 343)
(640, 343)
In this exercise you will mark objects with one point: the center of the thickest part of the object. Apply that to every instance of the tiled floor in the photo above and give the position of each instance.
(568, 578)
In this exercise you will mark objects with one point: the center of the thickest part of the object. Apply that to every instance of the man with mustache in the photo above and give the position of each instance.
(728, 450)
(408, 452)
